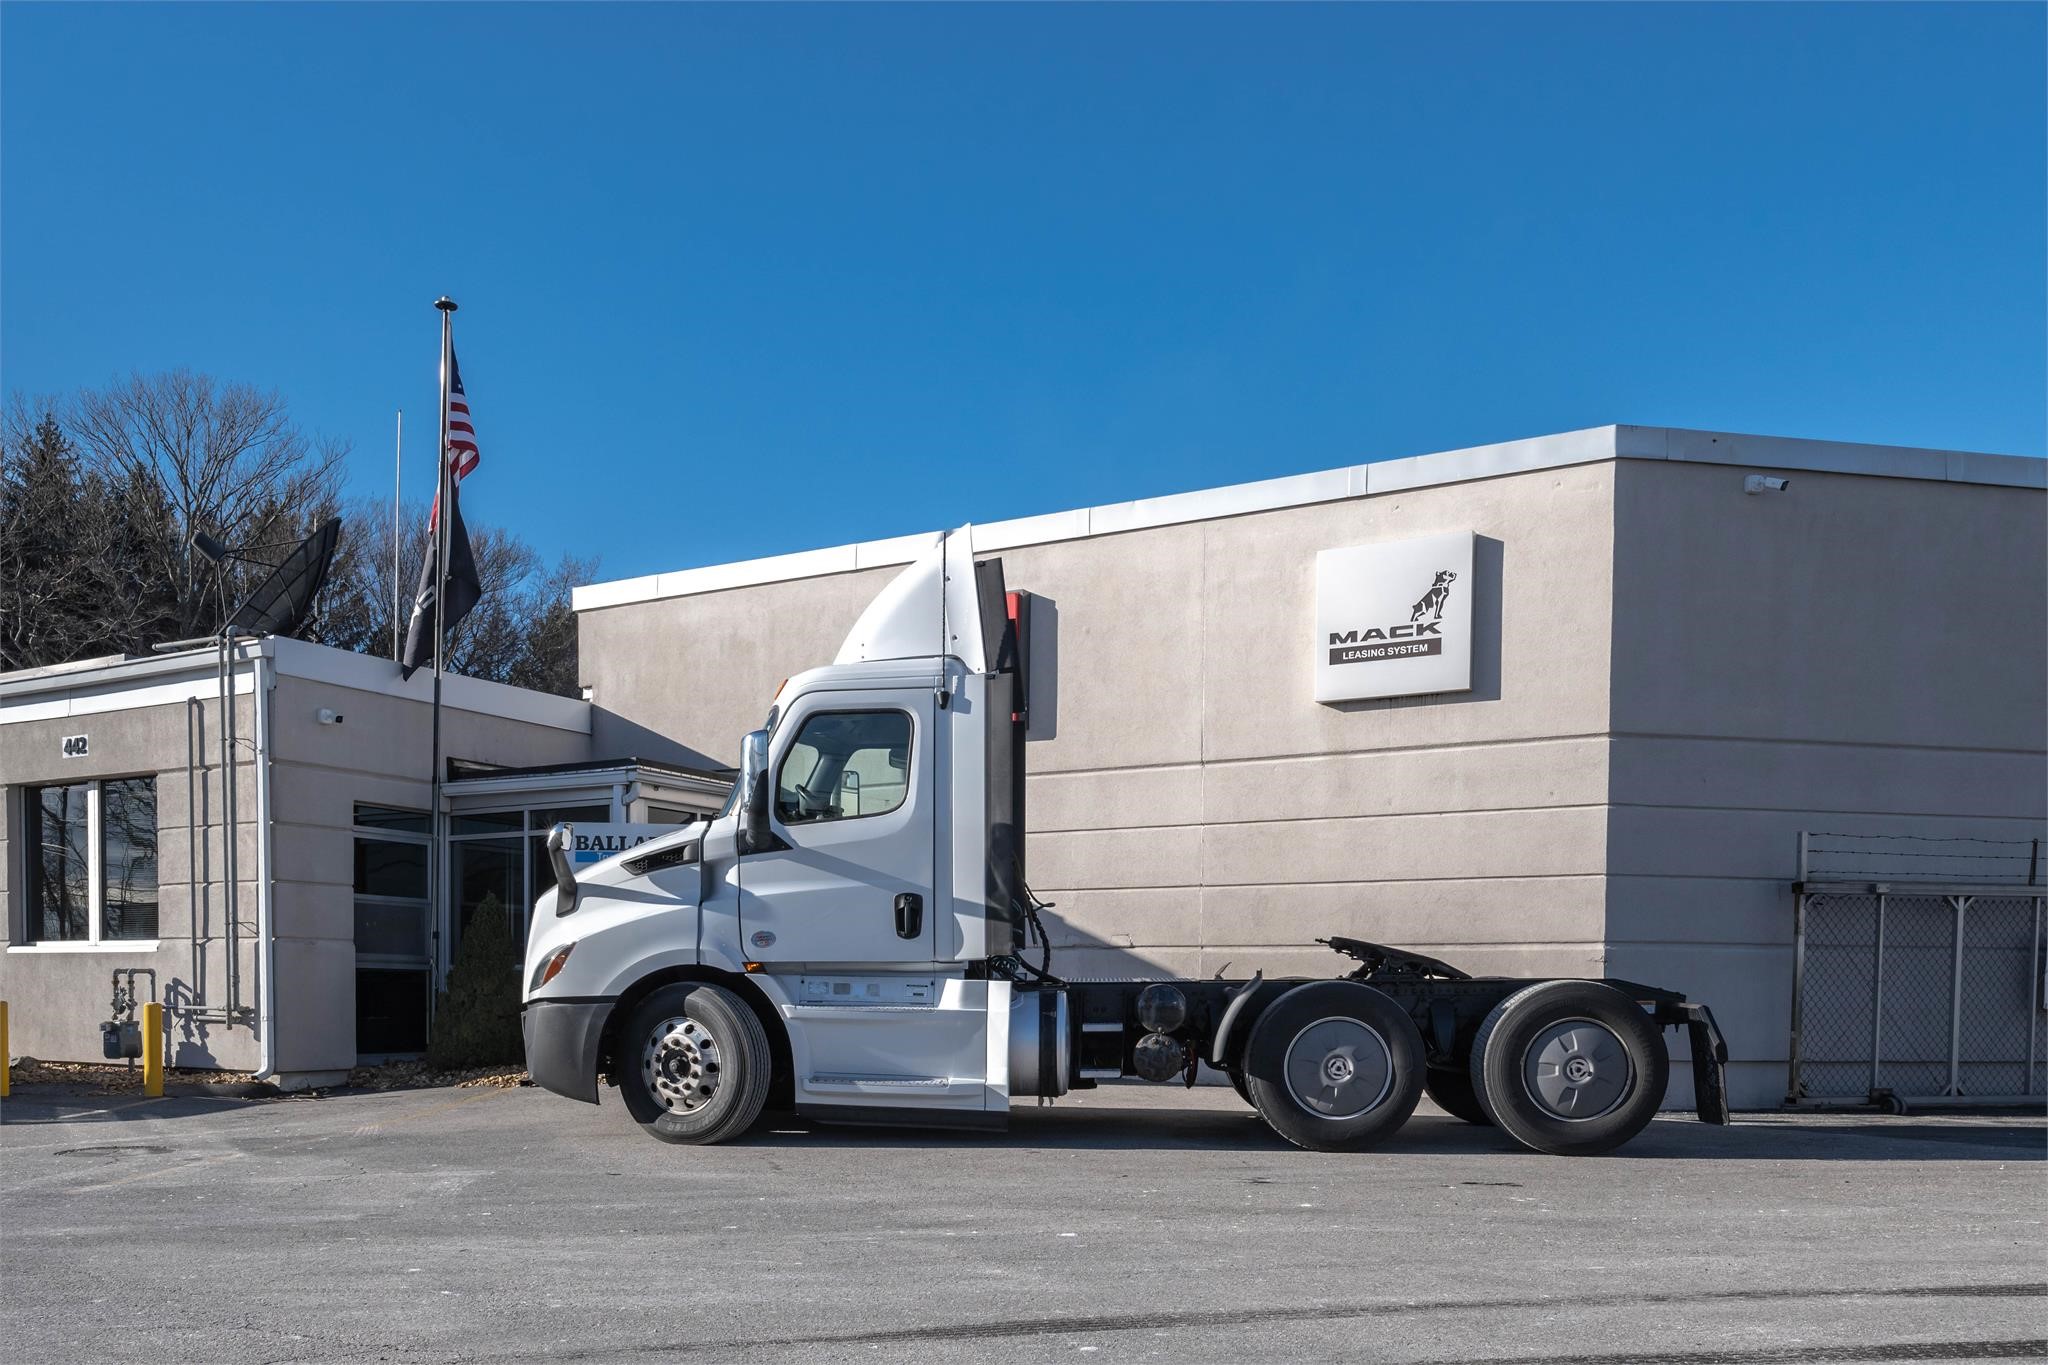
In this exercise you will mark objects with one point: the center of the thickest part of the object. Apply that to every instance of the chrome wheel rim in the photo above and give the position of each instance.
(680, 1065)
(1577, 1070)
(1338, 1068)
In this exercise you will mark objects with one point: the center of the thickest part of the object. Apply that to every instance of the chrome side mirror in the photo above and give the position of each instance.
(753, 808)
(560, 838)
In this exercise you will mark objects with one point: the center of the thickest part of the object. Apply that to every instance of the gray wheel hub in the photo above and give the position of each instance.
(680, 1065)
(1577, 1069)
(1338, 1068)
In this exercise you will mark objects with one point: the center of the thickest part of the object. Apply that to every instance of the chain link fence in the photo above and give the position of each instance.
(1919, 986)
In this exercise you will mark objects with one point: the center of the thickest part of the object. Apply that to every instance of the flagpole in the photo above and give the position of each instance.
(397, 472)
(443, 518)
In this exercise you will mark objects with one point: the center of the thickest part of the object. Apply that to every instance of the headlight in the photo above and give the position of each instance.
(548, 970)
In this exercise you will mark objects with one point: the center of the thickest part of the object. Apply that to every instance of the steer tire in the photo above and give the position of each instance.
(694, 1064)
(1573, 1068)
(1452, 1091)
(1334, 1066)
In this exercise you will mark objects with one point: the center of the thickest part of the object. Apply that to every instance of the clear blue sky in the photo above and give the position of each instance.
(736, 281)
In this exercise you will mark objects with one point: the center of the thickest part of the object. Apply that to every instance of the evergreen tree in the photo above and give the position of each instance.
(476, 1020)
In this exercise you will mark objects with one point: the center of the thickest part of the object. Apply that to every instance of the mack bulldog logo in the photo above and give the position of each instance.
(1417, 637)
(1433, 600)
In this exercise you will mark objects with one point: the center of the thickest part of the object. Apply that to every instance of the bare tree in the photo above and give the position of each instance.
(521, 630)
(225, 459)
(100, 496)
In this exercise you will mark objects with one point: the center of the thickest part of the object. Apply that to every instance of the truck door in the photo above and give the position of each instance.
(844, 917)
(851, 788)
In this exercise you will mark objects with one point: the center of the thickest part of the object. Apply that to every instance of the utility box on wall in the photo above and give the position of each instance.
(1394, 620)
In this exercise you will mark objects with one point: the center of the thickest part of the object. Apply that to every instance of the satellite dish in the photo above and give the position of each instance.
(282, 601)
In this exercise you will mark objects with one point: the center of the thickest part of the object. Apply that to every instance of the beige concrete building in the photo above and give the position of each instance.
(1675, 670)
(315, 936)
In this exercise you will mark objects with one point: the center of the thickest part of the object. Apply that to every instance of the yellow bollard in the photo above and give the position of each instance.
(153, 1049)
(6, 1057)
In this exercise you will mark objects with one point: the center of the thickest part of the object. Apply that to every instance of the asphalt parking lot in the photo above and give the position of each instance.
(1140, 1224)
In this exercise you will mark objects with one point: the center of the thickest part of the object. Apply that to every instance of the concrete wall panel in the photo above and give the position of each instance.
(1671, 842)
(1845, 779)
(393, 736)
(1093, 859)
(1533, 843)
(310, 1035)
(1146, 918)
(309, 911)
(1894, 612)
(1117, 798)
(1707, 910)
(1536, 774)
(1483, 912)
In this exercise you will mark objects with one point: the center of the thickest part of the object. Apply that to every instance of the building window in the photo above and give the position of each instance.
(127, 845)
(92, 862)
(394, 951)
(501, 855)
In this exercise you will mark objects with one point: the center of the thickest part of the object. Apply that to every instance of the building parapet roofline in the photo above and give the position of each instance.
(118, 682)
(1587, 446)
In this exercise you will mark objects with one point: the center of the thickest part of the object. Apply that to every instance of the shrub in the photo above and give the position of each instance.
(476, 1020)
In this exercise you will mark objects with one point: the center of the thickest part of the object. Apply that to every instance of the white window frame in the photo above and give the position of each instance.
(96, 879)
(425, 904)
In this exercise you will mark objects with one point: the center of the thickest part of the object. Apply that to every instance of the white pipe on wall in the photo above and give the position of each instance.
(263, 681)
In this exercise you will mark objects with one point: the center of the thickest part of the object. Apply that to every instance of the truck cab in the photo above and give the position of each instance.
(850, 937)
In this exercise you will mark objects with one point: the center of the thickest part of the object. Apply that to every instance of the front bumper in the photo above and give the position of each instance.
(562, 1039)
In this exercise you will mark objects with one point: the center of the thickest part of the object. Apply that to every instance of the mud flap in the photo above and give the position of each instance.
(1709, 1063)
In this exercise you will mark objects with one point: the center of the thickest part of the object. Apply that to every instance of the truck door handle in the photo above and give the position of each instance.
(909, 915)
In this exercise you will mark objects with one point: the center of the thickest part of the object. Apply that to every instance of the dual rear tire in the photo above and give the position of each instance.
(1334, 1066)
(1572, 1068)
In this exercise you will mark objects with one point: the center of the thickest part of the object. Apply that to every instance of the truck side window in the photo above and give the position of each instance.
(844, 765)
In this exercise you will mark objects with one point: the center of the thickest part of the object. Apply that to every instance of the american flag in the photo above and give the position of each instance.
(463, 455)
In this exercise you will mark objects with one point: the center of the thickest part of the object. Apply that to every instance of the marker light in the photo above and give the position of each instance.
(553, 966)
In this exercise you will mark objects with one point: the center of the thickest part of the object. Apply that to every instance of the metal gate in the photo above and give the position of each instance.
(1910, 990)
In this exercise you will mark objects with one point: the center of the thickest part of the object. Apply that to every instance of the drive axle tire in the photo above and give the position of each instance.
(1334, 1066)
(1452, 1091)
(1236, 1074)
(694, 1064)
(1573, 1068)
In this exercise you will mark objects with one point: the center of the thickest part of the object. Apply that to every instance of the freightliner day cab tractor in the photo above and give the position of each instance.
(853, 937)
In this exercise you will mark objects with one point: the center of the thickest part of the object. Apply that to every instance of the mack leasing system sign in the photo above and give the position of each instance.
(1394, 620)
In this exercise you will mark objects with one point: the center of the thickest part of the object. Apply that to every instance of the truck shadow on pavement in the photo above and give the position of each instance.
(1766, 1138)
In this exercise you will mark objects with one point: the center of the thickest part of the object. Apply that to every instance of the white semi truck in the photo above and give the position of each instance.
(853, 935)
